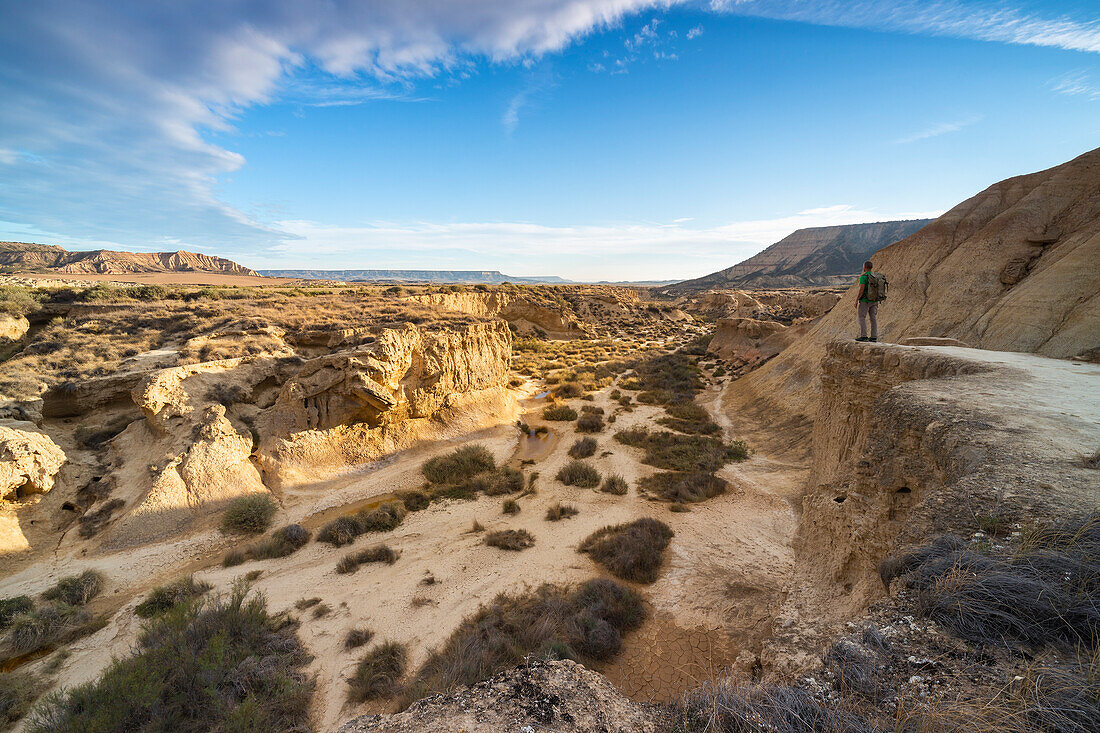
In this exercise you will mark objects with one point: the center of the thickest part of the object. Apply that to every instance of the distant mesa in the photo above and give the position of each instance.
(458, 277)
(817, 256)
(25, 257)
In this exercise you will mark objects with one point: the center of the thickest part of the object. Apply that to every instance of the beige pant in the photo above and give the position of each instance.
(864, 312)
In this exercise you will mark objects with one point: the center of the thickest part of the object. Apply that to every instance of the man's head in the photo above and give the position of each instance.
(867, 266)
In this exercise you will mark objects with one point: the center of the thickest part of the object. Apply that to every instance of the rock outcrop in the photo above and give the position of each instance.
(29, 460)
(524, 314)
(22, 257)
(946, 282)
(13, 328)
(559, 696)
(807, 257)
(356, 405)
(912, 442)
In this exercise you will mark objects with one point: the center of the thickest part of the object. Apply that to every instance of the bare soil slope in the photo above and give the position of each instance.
(20, 257)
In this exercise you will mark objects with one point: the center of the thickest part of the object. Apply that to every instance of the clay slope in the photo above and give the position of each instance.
(807, 257)
(1011, 269)
(20, 257)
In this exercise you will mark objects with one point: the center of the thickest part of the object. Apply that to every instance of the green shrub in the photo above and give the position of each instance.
(223, 665)
(688, 417)
(76, 590)
(12, 607)
(583, 448)
(585, 625)
(164, 598)
(461, 464)
(379, 673)
(558, 511)
(46, 625)
(510, 539)
(251, 514)
(559, 413)
(631, 551)
(615, 484)
(18, 691)
(579, 473)
(684, 487)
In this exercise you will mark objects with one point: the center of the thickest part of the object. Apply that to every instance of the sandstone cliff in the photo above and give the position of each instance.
(1013, 269)
(813, 256)
(29, 460)
(19, 257)
(523, 313)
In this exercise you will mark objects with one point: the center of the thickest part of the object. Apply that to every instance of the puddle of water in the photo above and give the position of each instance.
(540, 395)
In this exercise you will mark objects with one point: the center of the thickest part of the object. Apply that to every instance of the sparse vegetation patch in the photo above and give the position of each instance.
(579, 473)
(251, 514)
(631, 551)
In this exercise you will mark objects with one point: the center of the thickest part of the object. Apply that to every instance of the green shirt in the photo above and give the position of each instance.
(863, 281)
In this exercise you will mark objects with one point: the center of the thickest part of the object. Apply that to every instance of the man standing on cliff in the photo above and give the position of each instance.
(872, 291)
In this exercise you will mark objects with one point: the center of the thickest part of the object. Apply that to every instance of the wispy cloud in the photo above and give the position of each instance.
(1076, 84)
(942, 128)
(983, 21)
(694, 32)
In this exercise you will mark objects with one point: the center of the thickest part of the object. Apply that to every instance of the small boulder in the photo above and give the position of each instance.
(29, 460)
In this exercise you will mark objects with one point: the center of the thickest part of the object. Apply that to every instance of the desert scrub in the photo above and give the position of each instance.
(585, 624)
(583, 448)
(185, 674)
(461, 464)
(282, 542)
(559, 413)
(379, 673)
(688, 417)
(76, 590)
(343, 530)
(18, 691)
(683, 487)
(510, 506)
(356, 638)
(589, 423)
(631, 551)
(164, 598)
(614, 484)
(510, 539)
(46, 625)
(379, 553)
(415, 500)
(251, 514)
(683, 452)
(568, 390)
(579, 473)
(12, 607)
(505, 480)
(558, 511)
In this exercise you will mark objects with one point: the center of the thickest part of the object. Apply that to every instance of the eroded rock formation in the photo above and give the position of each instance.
(29, 460)
(523, 313)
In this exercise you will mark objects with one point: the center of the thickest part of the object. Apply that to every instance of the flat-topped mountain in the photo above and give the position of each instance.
(467, 277)
(814, 256)
(16, 257)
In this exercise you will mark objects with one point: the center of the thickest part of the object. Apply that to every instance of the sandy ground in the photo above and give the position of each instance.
(159, 278)
(724, 571)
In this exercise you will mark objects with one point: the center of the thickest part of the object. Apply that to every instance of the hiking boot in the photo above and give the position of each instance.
(870, 339)
(862, 338)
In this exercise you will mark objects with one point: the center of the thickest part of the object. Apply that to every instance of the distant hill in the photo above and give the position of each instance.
(817, 256)
(463, 277)
(18, 257)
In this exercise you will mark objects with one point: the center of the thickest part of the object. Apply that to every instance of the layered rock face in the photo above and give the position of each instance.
(516, 310)
(33, 257)
(29, 460)
(357, 405)
(948, 280)
(807, 257)
(912, 442)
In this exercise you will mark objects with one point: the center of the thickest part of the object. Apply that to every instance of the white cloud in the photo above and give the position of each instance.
(1076, 84)
(695, 32)
(983, 21)
(942, 128)
(613, 251)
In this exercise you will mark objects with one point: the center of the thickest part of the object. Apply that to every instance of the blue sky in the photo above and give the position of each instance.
(592, 139)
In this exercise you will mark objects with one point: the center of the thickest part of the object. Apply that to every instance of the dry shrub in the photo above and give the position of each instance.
(559, 413)
(76, 590)
(688, 417)
(343, 530)
(459, 465)
(583, 448)
(379, 673)
(589, 423)
(282, 542)
(510, 539)
(683, 452)
(415, 500)
(379, 553)
(725, 706)
(579, 473)
(47, 625)
(551, 622)
(615, 484)
(510, 506)
(631, 551)
(356, 638)
(12, 607)
(682, 488)
(251, 514)
(559, 511)
(568, 390)
(505, 480)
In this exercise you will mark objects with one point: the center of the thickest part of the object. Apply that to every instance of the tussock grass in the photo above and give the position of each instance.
(583, 448)
(615, 484)
(631, 551)
(510, 506)
(683, 487)
(579, 473)
(379, 553)
(18, 691)
(164, 598)
(550, 622)
(590, 423)
(43, 626)
(251, 514)
(559, 413)
(344, 530)
(510, 539)
(558, 511)
(683, 452)
(725, 706)
(12, 607)
(379, 673)
(688, 417)
(356, 638)
(461, 464)
(220, 665)
(76, 590)
(282, 542)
